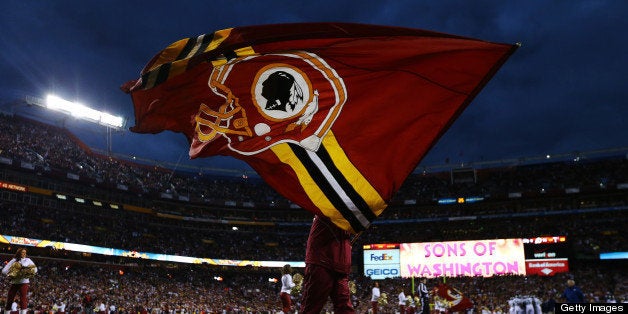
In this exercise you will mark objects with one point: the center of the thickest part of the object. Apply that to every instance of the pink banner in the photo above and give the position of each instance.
(463, 258)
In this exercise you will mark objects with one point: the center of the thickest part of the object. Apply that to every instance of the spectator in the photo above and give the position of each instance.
(572, 293)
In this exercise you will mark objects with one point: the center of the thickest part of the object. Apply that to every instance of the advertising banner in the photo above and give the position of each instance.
(381, 261)
(462, 258)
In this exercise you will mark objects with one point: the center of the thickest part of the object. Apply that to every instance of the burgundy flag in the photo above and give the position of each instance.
(334, 116)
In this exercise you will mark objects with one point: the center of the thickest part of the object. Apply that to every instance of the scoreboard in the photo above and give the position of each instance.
(546, 256)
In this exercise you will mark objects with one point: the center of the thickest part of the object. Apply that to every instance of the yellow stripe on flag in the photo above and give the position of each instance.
(240, 53)
(180, 66)
(169, 54)
(287, 156)
(219, 37)
(353, 176)
(245, 51)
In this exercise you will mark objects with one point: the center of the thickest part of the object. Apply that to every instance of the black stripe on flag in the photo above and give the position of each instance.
(326, 187)
(207, 39)
(187, 48)
(162, 73)
(355, 197)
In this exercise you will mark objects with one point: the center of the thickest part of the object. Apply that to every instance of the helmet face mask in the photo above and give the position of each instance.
(230, 118)
(271, 99)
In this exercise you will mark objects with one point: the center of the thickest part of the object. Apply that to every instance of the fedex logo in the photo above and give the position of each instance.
(383, 257)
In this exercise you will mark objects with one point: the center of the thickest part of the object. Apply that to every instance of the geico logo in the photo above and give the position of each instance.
(385, 272)
(383, 257)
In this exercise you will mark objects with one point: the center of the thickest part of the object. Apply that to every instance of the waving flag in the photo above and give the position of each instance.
(334, 116)
(456, 301)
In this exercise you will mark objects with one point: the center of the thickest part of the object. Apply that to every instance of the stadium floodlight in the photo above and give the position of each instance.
(83, 112)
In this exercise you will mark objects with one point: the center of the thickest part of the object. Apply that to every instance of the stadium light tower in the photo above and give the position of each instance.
(80, 111)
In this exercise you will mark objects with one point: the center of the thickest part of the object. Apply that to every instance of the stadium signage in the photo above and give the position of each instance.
(381, 261)
(383, 257)
(13, 187)
(544, 256)
(462, 258)
(23, 241)
(74, 247)
(386, 272)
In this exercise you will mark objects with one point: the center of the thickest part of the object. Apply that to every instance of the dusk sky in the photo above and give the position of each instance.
(564, 90)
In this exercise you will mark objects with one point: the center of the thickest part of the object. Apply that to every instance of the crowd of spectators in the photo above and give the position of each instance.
(589, 233)
(144, 233)
(583, 200)
(144, 288)
(148, 289)
(52, 150)
(491, 295)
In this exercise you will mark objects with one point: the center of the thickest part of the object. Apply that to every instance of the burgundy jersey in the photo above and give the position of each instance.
(329, 246)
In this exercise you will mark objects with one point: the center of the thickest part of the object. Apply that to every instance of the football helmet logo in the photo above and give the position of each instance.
(270, 99)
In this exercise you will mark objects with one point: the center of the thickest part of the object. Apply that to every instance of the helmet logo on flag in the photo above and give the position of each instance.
(283, 94)
(271, 99)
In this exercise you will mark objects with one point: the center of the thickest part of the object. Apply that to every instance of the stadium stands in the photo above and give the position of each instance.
(148, 208)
